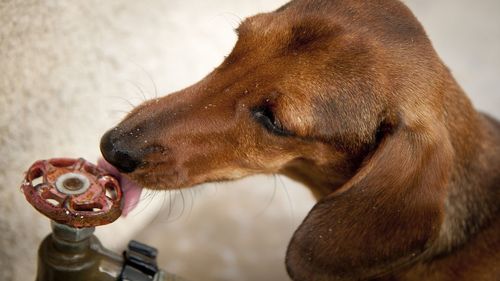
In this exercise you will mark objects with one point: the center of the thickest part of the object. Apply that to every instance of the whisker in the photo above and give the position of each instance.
(192, 193)
(139, 90)
(163, 202)
(125, 100)
(169, 204)
(150, 77)
(288, 198)
(270, 201)
(172, 202)
(183, 204)
(161, 205)
(149, 196)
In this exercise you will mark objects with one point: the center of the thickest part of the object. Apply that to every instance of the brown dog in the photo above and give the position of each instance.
(349, 98)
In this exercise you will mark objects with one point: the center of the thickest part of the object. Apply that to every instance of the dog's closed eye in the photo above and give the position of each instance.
(265, 116)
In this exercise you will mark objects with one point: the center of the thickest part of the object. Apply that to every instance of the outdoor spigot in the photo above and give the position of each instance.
(78, 196)
(74, 192)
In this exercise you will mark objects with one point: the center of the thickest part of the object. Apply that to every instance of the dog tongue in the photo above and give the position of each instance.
(131, 191)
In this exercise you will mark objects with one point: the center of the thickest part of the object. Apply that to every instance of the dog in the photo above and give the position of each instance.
(349, 98)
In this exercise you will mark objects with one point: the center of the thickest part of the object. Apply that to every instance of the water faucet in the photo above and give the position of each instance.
(78, 196)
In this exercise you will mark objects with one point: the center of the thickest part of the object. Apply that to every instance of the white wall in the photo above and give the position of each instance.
(66, 67)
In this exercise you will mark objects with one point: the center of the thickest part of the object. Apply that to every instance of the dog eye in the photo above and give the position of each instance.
(265, 116)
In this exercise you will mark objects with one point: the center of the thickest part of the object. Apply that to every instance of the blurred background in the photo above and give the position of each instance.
(72, 69)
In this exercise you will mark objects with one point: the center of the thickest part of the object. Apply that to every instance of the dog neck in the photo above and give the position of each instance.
(471, 205)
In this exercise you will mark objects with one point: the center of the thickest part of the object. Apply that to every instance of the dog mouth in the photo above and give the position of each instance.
(131, 190)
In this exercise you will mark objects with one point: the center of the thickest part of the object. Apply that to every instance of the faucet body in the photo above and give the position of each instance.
(76, 254)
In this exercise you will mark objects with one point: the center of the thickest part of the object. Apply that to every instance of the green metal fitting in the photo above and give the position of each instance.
(76, 254)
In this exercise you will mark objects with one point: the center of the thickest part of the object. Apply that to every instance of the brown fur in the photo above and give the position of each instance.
(349, 98)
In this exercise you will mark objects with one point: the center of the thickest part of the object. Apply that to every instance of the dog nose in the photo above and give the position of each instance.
(116, 154)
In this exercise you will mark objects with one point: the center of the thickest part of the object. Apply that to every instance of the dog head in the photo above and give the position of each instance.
(345, 96)
(308, 90)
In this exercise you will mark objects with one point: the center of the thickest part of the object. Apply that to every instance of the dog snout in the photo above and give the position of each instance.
(115, 150)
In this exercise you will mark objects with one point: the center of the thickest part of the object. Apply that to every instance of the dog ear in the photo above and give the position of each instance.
(383, 217)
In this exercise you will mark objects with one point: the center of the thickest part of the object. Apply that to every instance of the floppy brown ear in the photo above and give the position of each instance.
(385, 216)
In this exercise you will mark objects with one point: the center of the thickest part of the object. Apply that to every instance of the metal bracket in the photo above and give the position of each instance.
(140, 263)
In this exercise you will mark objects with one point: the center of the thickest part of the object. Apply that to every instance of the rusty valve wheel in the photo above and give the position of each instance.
(74, 192)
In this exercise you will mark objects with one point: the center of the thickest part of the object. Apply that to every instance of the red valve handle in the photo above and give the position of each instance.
(74, 192)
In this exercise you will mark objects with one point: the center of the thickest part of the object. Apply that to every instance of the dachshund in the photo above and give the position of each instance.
(349, 98)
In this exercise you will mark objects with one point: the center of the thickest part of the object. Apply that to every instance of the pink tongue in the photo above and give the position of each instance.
(131, 191)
